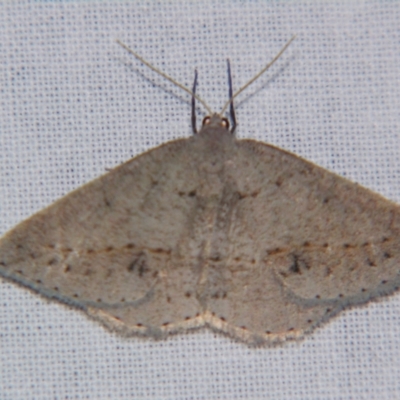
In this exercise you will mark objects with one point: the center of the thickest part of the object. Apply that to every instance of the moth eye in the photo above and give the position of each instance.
(225, 123)
(206, 120)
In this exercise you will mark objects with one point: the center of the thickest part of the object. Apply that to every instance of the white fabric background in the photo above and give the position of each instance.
(73, 103)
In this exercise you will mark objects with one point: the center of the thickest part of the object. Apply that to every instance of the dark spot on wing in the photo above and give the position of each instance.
(215, 257)
(272, 252)
(298, 265)
(159, 250)
(67, 268)
(132, 265)
(219, 295)
(52, 261)
(192, 193)
(295, 268)
(139, 264)
(279, 182)
(241, 196)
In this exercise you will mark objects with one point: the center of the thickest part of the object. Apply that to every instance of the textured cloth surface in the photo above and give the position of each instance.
(74, 103)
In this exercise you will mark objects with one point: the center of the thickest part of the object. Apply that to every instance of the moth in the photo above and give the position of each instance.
(210, 231)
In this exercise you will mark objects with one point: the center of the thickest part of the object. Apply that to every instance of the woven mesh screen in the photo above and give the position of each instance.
(74, 104)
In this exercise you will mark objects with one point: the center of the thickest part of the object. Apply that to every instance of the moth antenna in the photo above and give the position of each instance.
(232, 107)
(159, 72)
(194, 128)
(258, 75)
